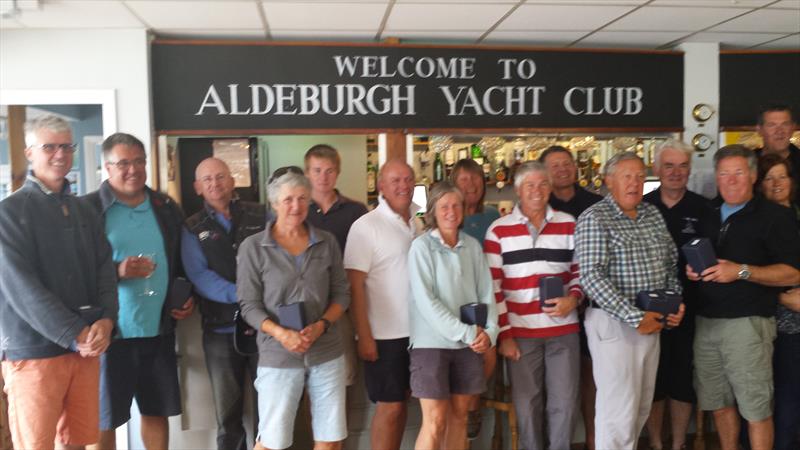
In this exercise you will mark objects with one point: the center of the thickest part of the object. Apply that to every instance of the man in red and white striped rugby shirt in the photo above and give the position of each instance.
(540, 342)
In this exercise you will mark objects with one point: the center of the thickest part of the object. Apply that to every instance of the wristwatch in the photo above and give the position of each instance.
(744, 272)
(325, 323)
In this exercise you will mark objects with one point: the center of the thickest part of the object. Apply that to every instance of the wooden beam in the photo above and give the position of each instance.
(16, 146)
(395, 145)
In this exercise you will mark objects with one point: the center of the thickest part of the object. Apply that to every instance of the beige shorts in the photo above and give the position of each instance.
(733, 365)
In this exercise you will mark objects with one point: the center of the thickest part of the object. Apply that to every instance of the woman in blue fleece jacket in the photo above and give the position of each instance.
(447, 270)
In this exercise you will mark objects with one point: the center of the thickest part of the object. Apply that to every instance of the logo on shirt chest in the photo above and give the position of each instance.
(208, 235)
(689, 224)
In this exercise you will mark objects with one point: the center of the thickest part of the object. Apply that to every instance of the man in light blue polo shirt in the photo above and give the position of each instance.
(144, 230)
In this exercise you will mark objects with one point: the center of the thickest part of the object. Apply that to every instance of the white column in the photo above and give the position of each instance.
(701, 85)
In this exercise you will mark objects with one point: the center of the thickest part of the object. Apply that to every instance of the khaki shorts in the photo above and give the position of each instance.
(733, 365)
(53, 398)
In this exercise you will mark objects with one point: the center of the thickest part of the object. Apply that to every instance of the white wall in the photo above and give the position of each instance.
(66, 60)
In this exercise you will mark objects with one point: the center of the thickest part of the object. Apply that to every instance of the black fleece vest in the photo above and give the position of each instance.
(220, 247)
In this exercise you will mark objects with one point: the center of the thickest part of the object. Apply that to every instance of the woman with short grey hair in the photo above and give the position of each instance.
(447, 271)
(290, 272)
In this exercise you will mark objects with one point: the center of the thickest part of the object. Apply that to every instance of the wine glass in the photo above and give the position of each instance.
(148, 291)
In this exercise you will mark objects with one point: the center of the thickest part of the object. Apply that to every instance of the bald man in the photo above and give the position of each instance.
(375, 258)
(211, 238)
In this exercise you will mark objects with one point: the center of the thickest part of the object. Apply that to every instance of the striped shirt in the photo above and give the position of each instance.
(620, 257)
(518, 257)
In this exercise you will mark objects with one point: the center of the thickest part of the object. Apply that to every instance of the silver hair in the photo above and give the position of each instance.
(527, 168)
(47, 122)
(290, 179)
(439, 190)
(672, 144)
(611, 165)
(730, 151)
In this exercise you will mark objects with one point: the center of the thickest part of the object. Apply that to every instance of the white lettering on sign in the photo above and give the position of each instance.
(407, 67)
(494, 101)
(580, 101)
(309, 99)
(524, 68)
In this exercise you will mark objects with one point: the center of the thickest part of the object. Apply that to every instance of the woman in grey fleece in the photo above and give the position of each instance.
(292, 262)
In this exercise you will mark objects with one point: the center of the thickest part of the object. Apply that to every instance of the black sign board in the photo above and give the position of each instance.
(232, 86)
(748, 81)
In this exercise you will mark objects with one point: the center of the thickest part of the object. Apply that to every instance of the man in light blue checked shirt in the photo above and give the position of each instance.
(623, 248)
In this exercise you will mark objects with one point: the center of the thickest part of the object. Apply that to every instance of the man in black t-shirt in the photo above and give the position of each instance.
(683, 211)
(758, 251)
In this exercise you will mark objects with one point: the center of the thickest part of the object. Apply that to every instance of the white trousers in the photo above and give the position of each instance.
(624, 368)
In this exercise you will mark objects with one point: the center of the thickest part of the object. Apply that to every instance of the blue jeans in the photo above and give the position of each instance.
(787, 391)
(279, 392)
(227, 370)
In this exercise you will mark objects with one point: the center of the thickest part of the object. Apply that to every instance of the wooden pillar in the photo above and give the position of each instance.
(5, 433)
(16, 145)
(395, 145)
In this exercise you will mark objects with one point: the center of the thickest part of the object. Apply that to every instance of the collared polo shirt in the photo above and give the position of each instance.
(579, 202)
(338, 219)
(378, 245)
(131, 232)
(684, 222)
(477, 224)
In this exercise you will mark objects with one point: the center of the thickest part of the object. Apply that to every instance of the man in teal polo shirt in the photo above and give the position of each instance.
(144, 229)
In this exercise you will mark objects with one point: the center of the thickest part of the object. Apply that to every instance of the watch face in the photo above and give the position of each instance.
(702, 112)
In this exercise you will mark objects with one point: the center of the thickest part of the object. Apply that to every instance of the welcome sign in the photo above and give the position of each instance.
(250, 87)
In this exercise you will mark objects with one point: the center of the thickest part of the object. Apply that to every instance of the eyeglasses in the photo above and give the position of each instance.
(283, 171)
(52, 148)
(124, 164)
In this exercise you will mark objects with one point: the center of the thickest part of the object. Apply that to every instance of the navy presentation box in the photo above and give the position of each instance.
(474, 314)
(699, 254)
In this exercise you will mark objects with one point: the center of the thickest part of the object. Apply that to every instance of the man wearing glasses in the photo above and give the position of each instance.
(58, 298)
(144, 229)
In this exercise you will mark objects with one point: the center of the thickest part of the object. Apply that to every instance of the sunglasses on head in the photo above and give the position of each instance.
(281, 171)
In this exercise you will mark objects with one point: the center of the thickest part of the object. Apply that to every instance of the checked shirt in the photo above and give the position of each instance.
(619, 257)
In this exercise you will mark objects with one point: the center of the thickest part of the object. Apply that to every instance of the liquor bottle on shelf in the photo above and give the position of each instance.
(518, 155)
(476, 153)
(501, 172)
(438, 168)
(372, 178)
(488, 173)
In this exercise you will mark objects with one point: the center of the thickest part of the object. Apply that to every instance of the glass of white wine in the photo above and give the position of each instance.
(148, 290)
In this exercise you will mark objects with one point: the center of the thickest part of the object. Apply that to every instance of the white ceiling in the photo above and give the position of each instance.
(648, 24)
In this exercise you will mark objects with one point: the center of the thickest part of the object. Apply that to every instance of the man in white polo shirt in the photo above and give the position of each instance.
(375, 258)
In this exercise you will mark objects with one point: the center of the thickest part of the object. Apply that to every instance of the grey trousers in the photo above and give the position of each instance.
(546, 377)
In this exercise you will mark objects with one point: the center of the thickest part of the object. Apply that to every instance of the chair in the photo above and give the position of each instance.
(500, 406)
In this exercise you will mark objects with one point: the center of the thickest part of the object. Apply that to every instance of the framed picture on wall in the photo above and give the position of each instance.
(236, 154)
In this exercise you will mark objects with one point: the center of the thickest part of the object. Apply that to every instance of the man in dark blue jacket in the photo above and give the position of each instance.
(144, 229)
(58, 298)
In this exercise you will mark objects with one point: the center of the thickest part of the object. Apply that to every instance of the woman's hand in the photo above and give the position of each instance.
(312, 332)
(292, 340)
(791, 299)
(509, 349)
(481, 343)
